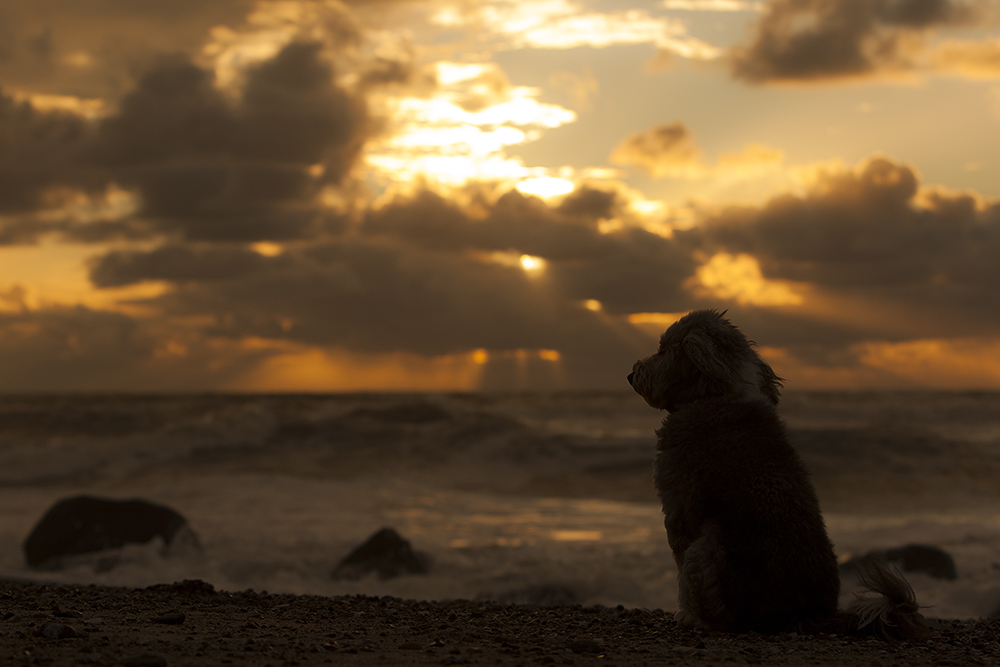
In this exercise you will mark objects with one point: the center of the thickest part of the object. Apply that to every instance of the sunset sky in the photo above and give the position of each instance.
(314, 195)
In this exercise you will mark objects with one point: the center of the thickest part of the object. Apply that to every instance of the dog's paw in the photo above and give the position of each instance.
(687, 619)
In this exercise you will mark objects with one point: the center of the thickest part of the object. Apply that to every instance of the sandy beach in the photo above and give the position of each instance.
(189, 623)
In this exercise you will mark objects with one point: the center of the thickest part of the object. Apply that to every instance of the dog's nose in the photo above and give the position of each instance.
(630, 378)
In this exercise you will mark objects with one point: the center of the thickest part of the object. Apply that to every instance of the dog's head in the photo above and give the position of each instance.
(703, 355)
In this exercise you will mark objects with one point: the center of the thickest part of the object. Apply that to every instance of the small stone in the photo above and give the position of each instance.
(172, 618)
(585, 646)
(144, 660)
(60, 631)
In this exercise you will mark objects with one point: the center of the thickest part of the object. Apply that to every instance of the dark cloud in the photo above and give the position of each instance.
(204, 166)
(209, 168)
(39, 151)
(425, 277)
(872, 234)
(91, 47)
(804, 40)
(59, 348)
(413, 257)
(663, 150)
(385, 72)
(627, 270)
(179, 264)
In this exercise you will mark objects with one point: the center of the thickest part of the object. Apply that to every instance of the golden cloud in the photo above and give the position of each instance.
(973, 59)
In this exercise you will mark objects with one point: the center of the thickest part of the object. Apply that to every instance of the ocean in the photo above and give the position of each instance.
(514, 497)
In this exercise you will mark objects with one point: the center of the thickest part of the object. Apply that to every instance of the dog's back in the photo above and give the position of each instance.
(727, 474)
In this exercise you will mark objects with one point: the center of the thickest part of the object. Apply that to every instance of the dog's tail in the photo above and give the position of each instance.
(887, 607)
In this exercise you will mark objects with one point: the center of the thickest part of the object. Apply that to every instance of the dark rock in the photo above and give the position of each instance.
(144, 660)
(920, 558)
(186, 587)
(585, 646)
(60, 631)
(172, 618)
(913, 558)
(85, 524)
(385, 553)
(546, 595)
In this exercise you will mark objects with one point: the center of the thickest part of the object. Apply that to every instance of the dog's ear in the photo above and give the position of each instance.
(705, 354)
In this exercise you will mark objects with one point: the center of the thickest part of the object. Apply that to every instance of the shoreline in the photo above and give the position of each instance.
(189, 623)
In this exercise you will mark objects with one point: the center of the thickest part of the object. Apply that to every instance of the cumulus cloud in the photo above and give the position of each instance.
(39, 151)
(872, 237)
(90, 49)
(712, 5)
(423, 276)
(974, 59)
(210, 168)
(74, 348)
(670, 150)
(560, 24)
(663, 150)
(224, 168)
(810, 40)
(198, 163)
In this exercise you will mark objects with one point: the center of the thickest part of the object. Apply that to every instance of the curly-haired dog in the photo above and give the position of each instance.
(742, 517)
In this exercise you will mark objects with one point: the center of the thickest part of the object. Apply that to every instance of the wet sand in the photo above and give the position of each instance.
(189, 623)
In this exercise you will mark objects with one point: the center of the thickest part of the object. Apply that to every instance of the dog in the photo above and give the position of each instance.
(742, 517)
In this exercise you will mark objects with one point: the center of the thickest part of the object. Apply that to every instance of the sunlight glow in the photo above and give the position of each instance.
(448, 170)
(55, 274)
(267, 248)
(530, 263)
(653, 324)
(577, 535)
(459, 133)
(593, 305)
(713, 5)
(739, 278)
(520, 108)
(955, 363)
(89, 108)
(545, 186)
(296, 367)
(449, 73)
(559, 24)
(659, 319)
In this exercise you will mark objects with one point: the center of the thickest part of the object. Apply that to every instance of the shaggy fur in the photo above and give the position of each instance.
(742, 517)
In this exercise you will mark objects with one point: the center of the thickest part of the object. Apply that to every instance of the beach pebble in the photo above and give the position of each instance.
(60, 631)
(585, 646)
(173, 618)
(144, 660)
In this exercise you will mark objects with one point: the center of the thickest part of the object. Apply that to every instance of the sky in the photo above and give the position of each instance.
(497, 195)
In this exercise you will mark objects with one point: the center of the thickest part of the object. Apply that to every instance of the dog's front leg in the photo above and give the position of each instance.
(700, 597)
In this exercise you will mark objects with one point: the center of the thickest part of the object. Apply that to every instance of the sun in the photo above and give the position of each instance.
(530, 263)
